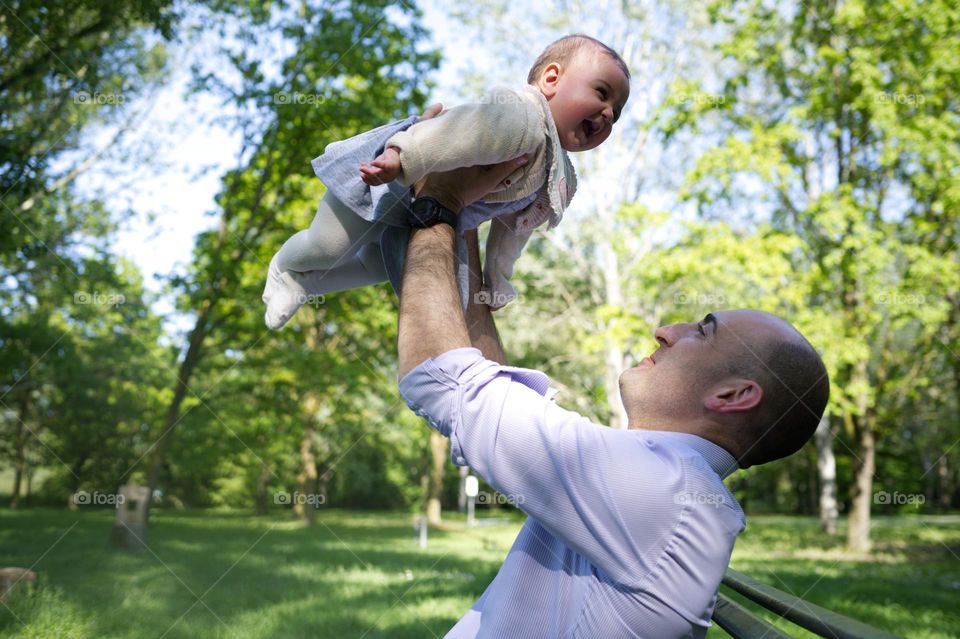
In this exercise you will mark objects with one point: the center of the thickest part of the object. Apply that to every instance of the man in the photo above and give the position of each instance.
(629, 531)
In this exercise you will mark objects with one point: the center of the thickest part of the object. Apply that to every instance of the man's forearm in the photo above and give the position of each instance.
(480, 324)
(431, 316)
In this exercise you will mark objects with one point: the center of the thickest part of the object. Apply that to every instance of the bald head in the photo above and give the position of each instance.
(795, 393)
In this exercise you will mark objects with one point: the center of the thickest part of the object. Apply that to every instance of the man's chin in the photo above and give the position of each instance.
(633, 381)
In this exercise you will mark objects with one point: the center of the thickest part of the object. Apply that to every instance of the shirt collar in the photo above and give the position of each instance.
(720, 460)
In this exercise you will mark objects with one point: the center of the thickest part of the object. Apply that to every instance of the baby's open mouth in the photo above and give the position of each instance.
(589, 128)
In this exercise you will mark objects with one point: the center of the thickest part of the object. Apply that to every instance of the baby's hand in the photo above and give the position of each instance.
(385, 168)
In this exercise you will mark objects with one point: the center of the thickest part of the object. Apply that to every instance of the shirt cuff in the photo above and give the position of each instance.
(434, 389)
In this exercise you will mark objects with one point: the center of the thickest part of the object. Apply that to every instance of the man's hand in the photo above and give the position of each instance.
(459, 188)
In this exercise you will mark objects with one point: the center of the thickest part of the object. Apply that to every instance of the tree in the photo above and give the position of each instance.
(854, 111)
(67, 66)
(351, 69)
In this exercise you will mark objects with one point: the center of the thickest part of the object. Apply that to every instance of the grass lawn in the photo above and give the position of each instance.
(361, 574)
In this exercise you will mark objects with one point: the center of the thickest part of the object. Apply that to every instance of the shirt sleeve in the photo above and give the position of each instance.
(502, 127)
(583, 482)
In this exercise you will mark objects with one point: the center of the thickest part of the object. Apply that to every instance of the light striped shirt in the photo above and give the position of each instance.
(629, 531)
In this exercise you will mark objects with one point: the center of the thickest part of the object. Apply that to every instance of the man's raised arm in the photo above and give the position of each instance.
(480, 324)
(431, 318)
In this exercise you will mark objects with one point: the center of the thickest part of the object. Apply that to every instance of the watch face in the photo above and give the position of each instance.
(427, 212)
(423, 212)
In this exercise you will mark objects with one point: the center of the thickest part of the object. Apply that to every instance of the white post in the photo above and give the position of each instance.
(472, 488)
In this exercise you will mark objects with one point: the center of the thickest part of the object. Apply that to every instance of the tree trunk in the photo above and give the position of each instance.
(20, 448)
(945, 490)
(324, 473)
(261, 503)
(306, 506)
(858, 535)
(827, 472)
(172, 416)
(462, 492)
(613, 350)
(203, 325)
(438, 459)
(19, 466)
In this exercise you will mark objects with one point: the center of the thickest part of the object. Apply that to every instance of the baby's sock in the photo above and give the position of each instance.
(283, 294)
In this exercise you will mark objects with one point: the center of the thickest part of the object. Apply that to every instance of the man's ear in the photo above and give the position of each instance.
(734, 395)
(550, 79)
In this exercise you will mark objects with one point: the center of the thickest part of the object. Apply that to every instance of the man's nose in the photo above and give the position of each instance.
(664, 335)
(668, 335)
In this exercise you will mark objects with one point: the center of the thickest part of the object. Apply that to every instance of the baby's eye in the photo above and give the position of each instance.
(602, 93)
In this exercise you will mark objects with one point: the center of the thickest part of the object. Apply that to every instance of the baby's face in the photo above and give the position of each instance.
(585, 98)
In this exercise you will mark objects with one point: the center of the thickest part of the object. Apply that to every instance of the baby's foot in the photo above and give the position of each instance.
(282, 294)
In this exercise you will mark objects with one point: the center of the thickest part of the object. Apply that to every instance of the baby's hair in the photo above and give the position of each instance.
(566, 49)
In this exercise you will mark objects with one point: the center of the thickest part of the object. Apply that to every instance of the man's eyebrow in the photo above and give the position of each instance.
(711, 319)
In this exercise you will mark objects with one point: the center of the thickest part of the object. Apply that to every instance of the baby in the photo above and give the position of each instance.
(575, 92)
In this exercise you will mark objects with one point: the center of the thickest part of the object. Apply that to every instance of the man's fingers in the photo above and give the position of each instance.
(431, 111)
(502, 170)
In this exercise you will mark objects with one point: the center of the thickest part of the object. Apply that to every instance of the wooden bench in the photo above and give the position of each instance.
(740, 623)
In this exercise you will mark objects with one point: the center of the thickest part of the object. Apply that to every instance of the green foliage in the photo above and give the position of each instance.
(79, 341)
(66, 66)
(87, 384)
(853, 148)
(254, 394)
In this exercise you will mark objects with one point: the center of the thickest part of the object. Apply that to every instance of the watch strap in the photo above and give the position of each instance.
(427, 211)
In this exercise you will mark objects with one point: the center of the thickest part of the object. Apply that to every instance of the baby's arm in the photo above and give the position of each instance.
(385, 168)
(504, 126)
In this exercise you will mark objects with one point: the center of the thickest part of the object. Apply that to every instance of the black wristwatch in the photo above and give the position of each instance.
(426, 212)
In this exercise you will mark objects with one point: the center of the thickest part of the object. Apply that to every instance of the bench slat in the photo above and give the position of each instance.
(803, 613)
(740, 623)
